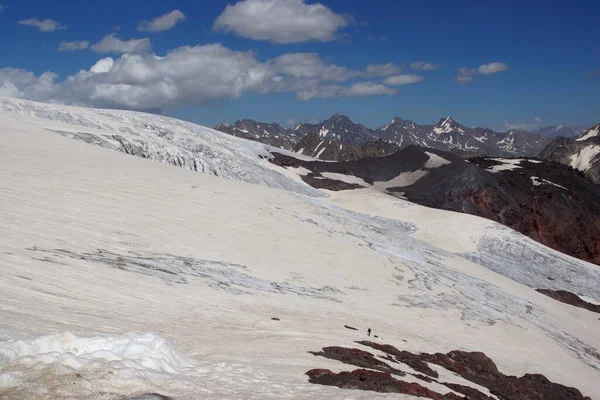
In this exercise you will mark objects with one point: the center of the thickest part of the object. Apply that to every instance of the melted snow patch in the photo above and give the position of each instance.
(507, 164)
(435, 161)
(345, 178)
(536, 181)
(583, 159)
(590, 134)
(404, 179)
(133, 351)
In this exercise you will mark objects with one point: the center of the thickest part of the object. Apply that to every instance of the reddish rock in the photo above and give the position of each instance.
(570, 298)
(473, 366)
(357, 357)
(412, 360)
(375, 381)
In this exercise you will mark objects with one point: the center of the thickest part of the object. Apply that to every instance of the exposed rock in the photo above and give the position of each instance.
(412, 360)
(374, 381)
(350, 327)
(570, 298)
(272, 134)
(275, 319)
(359, 358)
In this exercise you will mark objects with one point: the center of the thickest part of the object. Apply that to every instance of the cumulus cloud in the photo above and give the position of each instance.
(74, 46)
(20, 83)
(281, 21)
(382, 69)
(112, 44)
(492, 68)
(163, 23)
(310, 65)
(466, 75)
(44, 25)
(398, 80)
(189, 76)
(358, 89)
(424, 66)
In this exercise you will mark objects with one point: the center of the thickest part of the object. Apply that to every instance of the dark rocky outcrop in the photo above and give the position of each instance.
(374, 381)
(475, 367)
(570, 298)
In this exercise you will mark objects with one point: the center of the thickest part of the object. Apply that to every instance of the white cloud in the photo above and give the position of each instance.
(163, 23)
(368, 89)
(20, 83)
(312, 90)
(528, 126)
(398, 80)
(382, 69)
(112, 44)
(189, 76)
(424, 66)
(466, 74)
(45, 25)
(492, 68)
(281, 21)
(74, 46)
(310, 65)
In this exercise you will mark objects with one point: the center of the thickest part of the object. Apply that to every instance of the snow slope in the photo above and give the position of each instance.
(155, 137)
(123, 276)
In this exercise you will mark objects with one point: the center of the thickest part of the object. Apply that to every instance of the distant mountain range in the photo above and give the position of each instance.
(339, 138)
(565, 131)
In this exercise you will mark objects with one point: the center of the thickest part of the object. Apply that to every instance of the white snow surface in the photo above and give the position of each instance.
(584, 158)
(159, 138)
(537, 181)
(345, 178)
(593, 132)
(142, 352)
(508, 164)
(435, 161)
(168, 279)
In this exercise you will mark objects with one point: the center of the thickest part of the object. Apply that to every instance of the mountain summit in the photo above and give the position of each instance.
(328, 139)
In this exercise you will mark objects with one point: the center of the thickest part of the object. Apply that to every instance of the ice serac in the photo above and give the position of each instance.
(170, 279)
(582, 153)
(158, 138)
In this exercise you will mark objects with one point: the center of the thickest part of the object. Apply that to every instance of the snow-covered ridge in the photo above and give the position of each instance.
(158, 138)
(593, 132)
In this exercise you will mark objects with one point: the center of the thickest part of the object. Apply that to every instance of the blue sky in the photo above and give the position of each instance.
(293, 60)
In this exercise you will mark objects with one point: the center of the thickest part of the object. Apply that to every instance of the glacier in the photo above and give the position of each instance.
(126, 278)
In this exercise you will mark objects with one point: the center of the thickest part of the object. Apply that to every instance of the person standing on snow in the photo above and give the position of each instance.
(369, 332)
